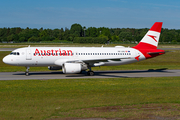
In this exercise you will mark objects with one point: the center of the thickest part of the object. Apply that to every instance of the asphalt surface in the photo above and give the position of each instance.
(98, 74)
(7, 49)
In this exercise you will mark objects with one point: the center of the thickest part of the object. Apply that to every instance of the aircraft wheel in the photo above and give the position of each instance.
(27, 73)
(90, 73)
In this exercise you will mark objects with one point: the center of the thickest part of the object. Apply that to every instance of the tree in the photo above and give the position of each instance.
(34, 39)
(115, 38)
(43, 33)
(66, 34)
(125, 36)
(22, 39)
(33, 32)
(76, 30)
(18, 30)
(105, 32)
(92, 32)
(10, 38)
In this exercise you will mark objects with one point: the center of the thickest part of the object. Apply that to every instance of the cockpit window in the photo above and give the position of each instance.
(14, 53)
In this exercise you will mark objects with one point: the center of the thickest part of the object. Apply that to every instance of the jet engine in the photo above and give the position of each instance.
(73, 67)
(54, 67)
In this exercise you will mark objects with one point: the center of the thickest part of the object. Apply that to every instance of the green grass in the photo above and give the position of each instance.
(90, 98)
(169, 60)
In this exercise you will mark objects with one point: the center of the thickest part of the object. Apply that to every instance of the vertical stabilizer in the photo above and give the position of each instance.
(151, 39)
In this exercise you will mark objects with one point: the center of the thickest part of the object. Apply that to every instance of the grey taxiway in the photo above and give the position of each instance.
(98, 74)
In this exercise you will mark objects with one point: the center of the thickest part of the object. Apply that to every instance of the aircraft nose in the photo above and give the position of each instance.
(6, 59)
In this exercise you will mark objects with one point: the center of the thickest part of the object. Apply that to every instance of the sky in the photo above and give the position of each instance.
(89, 13)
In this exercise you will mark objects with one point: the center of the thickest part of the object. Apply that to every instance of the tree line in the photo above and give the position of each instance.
(79, 34)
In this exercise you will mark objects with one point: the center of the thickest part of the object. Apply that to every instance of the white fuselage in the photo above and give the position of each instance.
(57, 56)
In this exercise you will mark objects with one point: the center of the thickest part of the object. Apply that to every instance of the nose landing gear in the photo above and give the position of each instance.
(27, 71)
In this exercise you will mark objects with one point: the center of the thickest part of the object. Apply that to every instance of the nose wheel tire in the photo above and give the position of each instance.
(27, 73)
(90, 73)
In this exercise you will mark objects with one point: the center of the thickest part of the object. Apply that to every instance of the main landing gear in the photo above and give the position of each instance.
(27, 71)
(90, 72)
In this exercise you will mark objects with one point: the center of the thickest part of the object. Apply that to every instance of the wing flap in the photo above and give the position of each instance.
(103, 59)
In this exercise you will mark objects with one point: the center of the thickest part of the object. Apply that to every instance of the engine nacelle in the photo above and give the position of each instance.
(54, 67)
(72, 67)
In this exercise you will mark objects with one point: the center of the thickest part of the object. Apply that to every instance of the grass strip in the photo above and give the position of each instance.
(87, 98)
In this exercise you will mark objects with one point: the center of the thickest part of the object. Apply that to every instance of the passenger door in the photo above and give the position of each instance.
(28, 54)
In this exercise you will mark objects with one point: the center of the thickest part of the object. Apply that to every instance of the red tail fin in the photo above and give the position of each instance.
(151, 39)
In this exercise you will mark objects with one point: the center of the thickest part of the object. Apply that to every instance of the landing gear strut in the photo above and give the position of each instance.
(27, 71)
(90, 72)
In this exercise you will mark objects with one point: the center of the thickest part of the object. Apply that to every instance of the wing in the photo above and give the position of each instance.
(60, 62)
(94, 60)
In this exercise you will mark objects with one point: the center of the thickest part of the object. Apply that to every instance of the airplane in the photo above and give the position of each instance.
(78, 59)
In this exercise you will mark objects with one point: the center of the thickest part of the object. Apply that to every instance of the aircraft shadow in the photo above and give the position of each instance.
(40, 73)
(135, 71)
(105, 73)
(96, 73)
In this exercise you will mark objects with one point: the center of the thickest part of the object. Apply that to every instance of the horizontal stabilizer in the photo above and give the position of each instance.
(153, 53)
